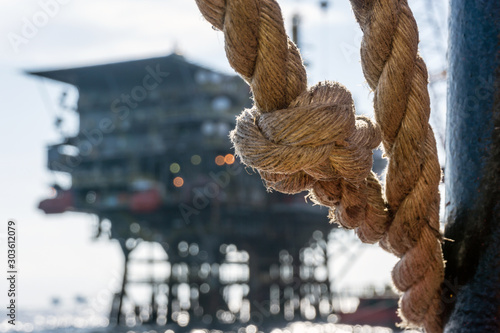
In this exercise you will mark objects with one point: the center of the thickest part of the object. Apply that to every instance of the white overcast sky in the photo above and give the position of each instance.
(56, 255)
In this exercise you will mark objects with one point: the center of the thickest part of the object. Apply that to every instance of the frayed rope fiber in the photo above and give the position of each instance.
(309, 139)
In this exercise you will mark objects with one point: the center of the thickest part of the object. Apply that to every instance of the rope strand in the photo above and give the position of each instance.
(398, 77)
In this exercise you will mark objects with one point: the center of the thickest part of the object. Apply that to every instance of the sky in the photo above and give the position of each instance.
(56, 254)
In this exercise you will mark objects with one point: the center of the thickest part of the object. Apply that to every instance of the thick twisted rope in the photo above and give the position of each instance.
(309, 139)
(398, 76)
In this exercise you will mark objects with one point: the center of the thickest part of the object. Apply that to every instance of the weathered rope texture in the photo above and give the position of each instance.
(398, 76)
(309, 139)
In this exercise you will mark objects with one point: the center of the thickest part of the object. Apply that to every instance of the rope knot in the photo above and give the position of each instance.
(319, 145)
(317, 135)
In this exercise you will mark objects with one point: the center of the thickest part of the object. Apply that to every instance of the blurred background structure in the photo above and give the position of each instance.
(152, 161)
(140, 148)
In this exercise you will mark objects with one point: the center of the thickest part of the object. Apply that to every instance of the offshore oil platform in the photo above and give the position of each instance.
(152, 160)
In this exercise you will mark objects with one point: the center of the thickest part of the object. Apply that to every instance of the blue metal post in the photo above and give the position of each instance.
(471, 296)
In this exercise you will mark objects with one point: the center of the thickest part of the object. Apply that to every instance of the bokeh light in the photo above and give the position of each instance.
(219, 160)
(229, 159)
(195, 159)
(175, 168)
(178, 182)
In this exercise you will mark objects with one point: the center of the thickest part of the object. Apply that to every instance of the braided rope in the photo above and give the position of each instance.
(310, 139)
(398, 76)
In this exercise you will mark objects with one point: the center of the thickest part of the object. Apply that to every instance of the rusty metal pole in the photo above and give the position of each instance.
(471, 295)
